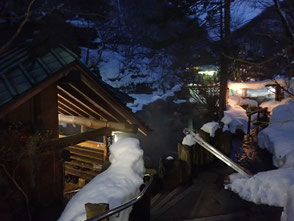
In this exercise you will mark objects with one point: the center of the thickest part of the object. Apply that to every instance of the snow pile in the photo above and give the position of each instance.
(210, 128)
(263, 92)
(235, 100)
(169, 158)
(189, 140)
(235, 118)
(278, 137)
(144, 99)
(274, 188)
(118, 184)
(271, 104)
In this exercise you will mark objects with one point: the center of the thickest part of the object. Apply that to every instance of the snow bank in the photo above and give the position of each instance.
(189, 140)
(274, 188)
(235, 100)
(235, 118)
(118, 184)
(271, 104)
(278, 137)
(210, 128)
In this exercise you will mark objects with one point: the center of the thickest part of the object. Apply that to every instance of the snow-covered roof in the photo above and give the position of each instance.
(254, 84)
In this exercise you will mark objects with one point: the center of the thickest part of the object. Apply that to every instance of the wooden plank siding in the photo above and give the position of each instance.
(86, 159)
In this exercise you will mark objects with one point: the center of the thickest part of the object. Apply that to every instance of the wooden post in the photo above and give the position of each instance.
(94, 209)
(186, 158)
(227, 96)
(81, 182)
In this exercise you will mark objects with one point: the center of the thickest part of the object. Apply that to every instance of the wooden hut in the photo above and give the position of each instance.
(38, 93)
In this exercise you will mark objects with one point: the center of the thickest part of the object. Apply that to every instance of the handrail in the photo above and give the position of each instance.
(124, 206)
(218, 154)
(262, 110)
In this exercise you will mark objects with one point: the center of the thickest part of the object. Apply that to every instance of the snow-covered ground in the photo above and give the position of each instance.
(143, 99)
(118, 184)
(275, 187)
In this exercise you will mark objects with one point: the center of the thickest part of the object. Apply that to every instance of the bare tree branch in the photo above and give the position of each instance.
(284, 20)
(20, 189)
(19, 29)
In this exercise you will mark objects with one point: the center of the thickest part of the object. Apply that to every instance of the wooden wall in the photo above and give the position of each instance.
(41, 175)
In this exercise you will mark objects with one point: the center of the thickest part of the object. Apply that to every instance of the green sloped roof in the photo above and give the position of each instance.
(19, 73)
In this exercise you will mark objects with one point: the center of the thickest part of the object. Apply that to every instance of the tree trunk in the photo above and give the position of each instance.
(224, 75)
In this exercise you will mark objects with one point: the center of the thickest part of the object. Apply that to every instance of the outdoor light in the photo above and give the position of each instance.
(239, 92)
(210, 73)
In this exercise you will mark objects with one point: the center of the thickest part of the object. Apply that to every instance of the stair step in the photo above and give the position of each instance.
(219, 217)
(156, 212)
(155, 199)
(168, 197)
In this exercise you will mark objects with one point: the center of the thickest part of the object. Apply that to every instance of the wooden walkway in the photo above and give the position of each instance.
(207, 200)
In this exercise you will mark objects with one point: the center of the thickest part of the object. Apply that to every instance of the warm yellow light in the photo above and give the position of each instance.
(239, 91)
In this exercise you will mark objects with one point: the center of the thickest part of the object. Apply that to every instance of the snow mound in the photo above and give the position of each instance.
(271, 104)
(278, 136)
(210, 128)
(118, 184)
(189, 140)
(274, 188)
(235, 100)
(235, 117)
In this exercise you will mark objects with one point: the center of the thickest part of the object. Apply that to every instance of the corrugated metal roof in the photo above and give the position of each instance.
(18, 72)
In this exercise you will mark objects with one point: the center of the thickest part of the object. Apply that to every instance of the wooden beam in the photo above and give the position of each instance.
(126, 113)
(67, 109)
(96, 100)
(64, 111)
(88, 102)
(60, 111)
(60, 143)
(124, 127)
(73, 107)
(73, 100)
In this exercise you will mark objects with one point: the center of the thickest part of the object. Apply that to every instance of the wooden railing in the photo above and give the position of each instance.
(260, 119)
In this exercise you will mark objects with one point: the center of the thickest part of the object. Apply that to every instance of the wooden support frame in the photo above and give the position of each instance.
(60, 143)
(97, 100)
(116, 126)
(111, 101)
(72, 99)
(87, 102)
